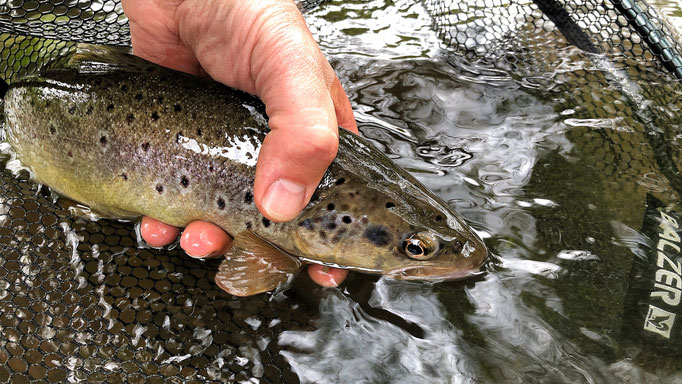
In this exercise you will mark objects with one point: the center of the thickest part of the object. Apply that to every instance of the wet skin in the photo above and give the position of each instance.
(259, 62)
(184, 149)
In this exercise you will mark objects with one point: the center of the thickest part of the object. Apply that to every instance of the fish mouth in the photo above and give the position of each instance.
(434, 274)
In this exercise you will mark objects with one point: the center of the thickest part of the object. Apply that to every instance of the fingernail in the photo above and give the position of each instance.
(283, 199)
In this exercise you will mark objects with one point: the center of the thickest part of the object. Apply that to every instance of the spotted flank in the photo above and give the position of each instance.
(128, 138)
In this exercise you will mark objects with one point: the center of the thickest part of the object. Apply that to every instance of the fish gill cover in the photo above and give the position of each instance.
(81, 303)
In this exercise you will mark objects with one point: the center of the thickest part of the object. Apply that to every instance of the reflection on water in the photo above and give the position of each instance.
(555, 177)
(374, 350)
(566, 174)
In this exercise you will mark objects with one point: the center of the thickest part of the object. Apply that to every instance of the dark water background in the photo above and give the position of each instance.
(562, 215)
(560, 173)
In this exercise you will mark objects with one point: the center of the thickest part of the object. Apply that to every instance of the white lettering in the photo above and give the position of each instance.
(669, 233)
(662, 243)
(668, 278)
(669, 219)
(663, 259)
(669, 295)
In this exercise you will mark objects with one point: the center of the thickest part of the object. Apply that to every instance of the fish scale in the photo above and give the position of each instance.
(129, 138)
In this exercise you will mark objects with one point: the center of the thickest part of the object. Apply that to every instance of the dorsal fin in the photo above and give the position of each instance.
(103, 58)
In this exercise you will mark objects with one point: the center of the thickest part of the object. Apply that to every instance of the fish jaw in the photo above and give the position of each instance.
(432, 274)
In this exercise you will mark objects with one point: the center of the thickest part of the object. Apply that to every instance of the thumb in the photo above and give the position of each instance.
(264, 47)
(303, 141)
(305, 103)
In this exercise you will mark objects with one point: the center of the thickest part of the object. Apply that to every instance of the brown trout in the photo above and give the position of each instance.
(129, 138)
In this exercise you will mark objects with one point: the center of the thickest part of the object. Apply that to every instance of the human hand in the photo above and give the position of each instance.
(264, 48)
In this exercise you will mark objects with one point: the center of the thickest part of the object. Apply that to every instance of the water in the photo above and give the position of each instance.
(559, 171)
(554, 177)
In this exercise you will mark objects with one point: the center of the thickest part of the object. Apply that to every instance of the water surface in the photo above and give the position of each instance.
(553, 171)
(558, 159)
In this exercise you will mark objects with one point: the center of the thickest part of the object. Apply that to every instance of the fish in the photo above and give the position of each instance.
(129, 138)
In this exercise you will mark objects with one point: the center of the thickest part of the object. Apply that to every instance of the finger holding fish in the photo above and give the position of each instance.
(201, 239)
(132, 139)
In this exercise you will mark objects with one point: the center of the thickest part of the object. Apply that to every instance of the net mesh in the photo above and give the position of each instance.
(490, 29)
(137, 343)
(81, 303)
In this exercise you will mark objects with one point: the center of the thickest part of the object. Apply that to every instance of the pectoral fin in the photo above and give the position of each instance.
(253, 266)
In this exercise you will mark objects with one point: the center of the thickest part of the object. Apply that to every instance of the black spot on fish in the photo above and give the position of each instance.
(210, 168)
(160, 100)
(184, 181)
(145, 146)
(330, 206)
(110, 107)
(177, 107)
(439, 218)
(53, 130)
(124, 88)
(248, 225)
(390, 204)
(138, 96)
(346, 219)
(248, 197)
(199, 132)
(155, 116)
(124, 177)
(221, 203)
(266, 222)
(306, 224)
(331, 226)
(340, 181)
(130, 118)
(70, 154)
(103, 141)
(194, 115)
(159, 188)
(378, 235)
(457, 246)
(72, 110)
(323, 235)
(89, 110)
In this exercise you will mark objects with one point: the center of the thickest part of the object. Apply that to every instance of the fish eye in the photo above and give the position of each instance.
(420, 246)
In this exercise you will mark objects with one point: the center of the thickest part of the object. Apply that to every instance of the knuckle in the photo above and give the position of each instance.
(321, 144)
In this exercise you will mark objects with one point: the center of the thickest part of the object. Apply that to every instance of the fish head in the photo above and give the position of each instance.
(404, 233)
